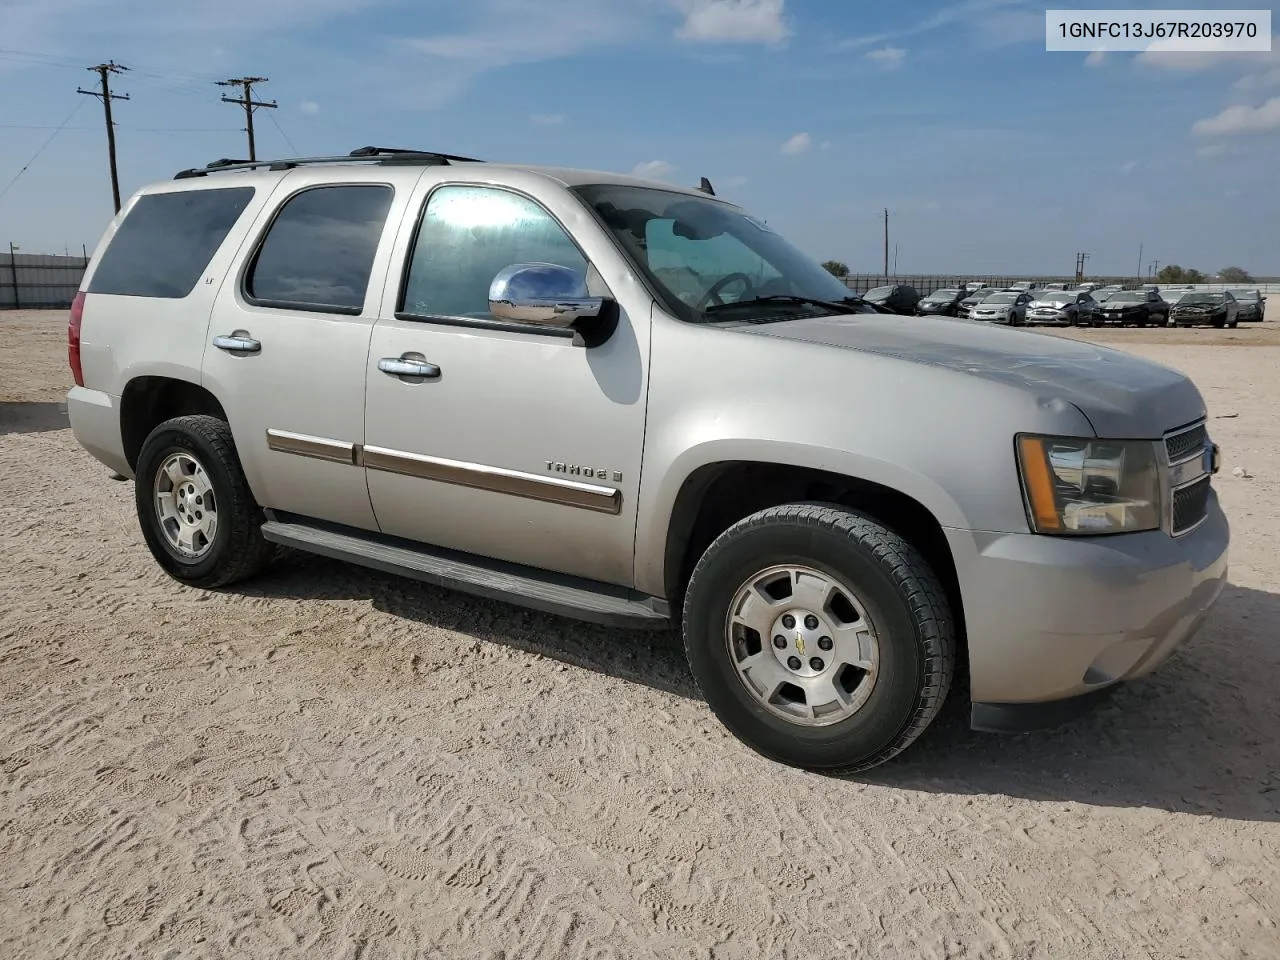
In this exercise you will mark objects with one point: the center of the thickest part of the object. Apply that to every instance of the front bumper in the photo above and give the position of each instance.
(95, 422)
(1048, 316)
(1052, 618)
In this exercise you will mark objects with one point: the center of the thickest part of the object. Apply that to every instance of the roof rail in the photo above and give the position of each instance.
(380, 155)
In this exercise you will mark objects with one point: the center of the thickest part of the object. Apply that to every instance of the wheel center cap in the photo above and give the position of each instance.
(801, 642)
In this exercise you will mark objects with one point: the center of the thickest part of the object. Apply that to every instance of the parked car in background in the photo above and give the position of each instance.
(896, 298)
(1217, 308)
(971, 301)
(1065, 307)
(1139, 307)
(1055, 286)
(1024, 286)
(1252, 304)
(1091, 286)
(1007, 306)
(941, 303)
(1101, 294)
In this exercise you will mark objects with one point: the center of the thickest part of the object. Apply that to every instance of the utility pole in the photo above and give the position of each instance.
(13, 269)
(249, 104)
(1140, 248)
(1080, 262)
(886, 243)
(104, 71)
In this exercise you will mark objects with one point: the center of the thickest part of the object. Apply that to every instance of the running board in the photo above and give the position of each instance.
(493, 579)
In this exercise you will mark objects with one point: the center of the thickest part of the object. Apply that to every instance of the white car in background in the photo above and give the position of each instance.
(1063, 307)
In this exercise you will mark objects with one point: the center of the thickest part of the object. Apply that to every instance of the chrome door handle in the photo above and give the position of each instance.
(401, 367)
(238, 342)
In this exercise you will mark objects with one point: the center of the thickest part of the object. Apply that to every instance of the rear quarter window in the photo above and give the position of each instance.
(166, 240)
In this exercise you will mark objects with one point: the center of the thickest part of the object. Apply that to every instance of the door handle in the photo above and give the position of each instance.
(238, 342)
(407, 367)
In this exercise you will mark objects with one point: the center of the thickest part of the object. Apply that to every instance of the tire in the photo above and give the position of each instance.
(1233, 324)
(902, 601)
(235, 550)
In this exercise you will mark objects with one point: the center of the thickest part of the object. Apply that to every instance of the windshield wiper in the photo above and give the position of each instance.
(835, 306)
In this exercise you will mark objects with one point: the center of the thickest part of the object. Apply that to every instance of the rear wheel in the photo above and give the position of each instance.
(198, 517)
(819, 637)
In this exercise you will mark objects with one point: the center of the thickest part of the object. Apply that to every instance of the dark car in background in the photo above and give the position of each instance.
(971, 300)
(1140, 307)
(896, 298)
(1252, 305)
(1219, 309)
(941, 303)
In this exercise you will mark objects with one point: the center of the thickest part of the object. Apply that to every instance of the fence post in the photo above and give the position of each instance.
(13, 269)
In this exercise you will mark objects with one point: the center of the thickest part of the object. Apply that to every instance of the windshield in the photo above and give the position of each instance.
(1002, 298)
(1204, 298)
(878, 293)
(1129, 296)
(944, 295)
(1246, 294)
(704, 254)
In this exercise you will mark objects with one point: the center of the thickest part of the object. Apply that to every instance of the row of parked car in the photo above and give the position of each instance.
(1090, 304)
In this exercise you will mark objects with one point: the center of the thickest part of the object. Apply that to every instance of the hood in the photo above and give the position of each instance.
(1049, 304)
(1124, 396)
(994, 307)
(1123, 304)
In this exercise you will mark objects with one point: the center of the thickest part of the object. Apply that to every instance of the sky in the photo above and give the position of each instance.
(992, 155)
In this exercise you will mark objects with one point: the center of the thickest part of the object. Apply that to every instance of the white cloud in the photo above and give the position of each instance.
(653, 169)
(986, 16)
(1240, 120)
(1260, 81)
(1160, 57)
(797, 145)
(888, 57)
(1096, 59)
(1129, 167)
(547, 119)
(733, 21)
(309, 107)
(1212, 150)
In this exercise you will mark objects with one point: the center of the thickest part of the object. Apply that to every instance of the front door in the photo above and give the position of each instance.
(289, 340)
(507, 441)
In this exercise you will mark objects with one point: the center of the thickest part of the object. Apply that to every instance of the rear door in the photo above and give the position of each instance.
(289, 337)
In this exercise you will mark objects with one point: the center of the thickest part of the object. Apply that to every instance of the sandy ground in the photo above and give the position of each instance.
(334, 763)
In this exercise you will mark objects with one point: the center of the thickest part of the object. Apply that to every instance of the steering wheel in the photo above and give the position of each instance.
(718, 287)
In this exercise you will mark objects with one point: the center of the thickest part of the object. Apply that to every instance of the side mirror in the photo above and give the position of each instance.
(542, 294)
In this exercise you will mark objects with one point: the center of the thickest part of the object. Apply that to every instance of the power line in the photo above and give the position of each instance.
(249, 104)
(279, 128)
(104, 71)
(56, 130)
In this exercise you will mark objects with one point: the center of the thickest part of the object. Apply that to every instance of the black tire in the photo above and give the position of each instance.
(237, 550)
(903, 599)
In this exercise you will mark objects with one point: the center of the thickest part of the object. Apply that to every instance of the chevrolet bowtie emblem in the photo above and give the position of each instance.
(800, 643)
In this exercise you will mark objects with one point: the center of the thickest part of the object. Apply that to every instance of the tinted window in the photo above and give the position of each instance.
(166, 240)
(319, 251)
(468, 235)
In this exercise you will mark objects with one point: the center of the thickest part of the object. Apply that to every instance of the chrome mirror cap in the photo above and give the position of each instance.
(545, 294)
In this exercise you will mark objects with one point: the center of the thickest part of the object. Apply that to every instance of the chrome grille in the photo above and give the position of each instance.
(1187, 444)
(1190, 504)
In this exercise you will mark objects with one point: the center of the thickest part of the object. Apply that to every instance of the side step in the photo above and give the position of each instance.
(493, 579)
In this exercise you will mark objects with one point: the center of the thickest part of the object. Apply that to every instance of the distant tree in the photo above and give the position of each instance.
(1234, 275)
(1175, 274)
(836, 268)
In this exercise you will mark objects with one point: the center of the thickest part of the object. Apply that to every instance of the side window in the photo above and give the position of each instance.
(166, 240)
(467, 235)
(318, 252)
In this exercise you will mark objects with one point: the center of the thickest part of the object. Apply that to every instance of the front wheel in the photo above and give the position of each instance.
(198, 517)
(819, 637)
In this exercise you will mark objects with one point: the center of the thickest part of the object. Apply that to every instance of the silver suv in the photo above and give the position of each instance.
(639, 405)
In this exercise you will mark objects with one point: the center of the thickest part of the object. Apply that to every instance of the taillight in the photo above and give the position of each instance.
(73, 338)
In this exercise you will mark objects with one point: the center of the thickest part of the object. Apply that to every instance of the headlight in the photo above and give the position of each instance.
(1082, 487)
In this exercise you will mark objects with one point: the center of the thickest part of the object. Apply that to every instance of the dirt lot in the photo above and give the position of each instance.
(335, 763)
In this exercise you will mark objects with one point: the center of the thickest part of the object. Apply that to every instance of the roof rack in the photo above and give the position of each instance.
(380, 155)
